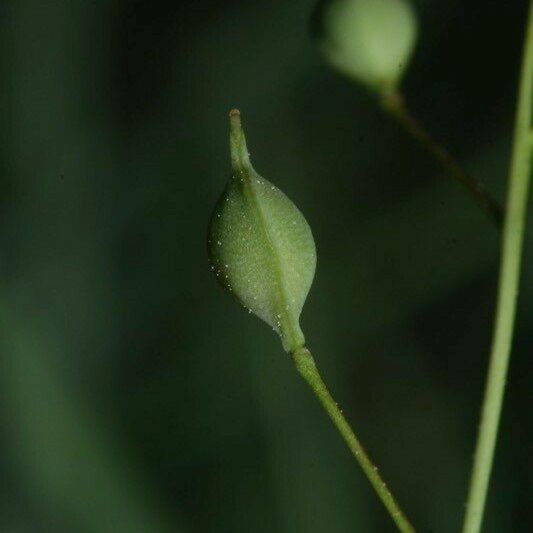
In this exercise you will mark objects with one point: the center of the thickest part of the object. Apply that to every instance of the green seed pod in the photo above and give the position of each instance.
(260, 245)
(370, 41)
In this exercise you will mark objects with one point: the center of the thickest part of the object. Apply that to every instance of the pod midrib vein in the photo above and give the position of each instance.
(285, 325)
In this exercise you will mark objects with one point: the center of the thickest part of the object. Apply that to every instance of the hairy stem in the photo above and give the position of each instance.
(307, 368)
(512, 244)
(394, 104)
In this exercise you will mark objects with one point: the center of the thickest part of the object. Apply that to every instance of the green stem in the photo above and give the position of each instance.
(512, 244)
(394, 103)
(307, 368)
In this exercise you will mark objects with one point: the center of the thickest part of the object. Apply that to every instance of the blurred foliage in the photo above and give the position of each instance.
(135, 396)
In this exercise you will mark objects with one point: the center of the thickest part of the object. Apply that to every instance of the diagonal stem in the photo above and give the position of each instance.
(394, 104)
(512, 244)
(307, 368)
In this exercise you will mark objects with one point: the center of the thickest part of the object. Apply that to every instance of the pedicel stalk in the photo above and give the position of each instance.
(262, 251)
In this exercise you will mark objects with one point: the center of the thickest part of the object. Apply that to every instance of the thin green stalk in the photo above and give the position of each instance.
(512, 243)
(394, 103)
(307, 368)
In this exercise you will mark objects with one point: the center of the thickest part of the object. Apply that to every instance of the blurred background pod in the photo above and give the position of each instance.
(370, 41)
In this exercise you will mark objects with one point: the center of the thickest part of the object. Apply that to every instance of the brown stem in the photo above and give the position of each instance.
(394, 104)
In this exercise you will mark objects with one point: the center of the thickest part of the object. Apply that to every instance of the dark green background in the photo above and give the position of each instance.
(134, 395)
